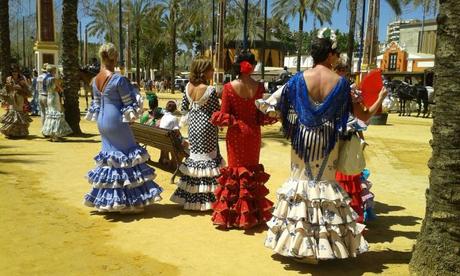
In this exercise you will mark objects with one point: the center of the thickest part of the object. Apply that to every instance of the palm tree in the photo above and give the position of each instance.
(5, 52)
(321, 9)
(154, 26)
(372, 38)
(234, 21)
(197, 30)
(353, 6)
(437, 251)
(138, 9)
(427, 5)
(70, 63)
(104, 18)
(174, 9)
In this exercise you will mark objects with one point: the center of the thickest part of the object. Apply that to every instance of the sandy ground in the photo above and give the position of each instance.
(47, 231)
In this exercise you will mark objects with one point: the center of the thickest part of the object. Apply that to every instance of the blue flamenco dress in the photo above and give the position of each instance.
(121, 180)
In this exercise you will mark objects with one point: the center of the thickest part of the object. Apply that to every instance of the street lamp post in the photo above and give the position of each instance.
(213, 29)
(361, 43)
(245, 32)
(120, 27)
(85, 55)
(265, 40)
(23, 43)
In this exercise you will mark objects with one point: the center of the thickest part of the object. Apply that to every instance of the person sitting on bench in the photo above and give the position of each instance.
(171, 122)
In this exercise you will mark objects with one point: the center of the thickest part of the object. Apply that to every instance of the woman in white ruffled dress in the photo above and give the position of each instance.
(312, 219)
(55, 125)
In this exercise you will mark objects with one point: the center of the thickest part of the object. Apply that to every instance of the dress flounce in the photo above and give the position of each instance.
(112, 200)
(240, 198)
(352, 185)
(118, 159)
(131, 112)
(93, 112)
(122, 181)
(15, 123)
(56, 125)
(193, 201)
(196, 185)
(313, 220)
(219, 118)
(109, 177)
(202, 168)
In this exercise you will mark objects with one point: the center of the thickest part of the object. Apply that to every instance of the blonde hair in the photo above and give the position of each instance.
(50, 68)
(108, 53)
(198, 69)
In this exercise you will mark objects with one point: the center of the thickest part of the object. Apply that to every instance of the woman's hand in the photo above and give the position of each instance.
(383, 93)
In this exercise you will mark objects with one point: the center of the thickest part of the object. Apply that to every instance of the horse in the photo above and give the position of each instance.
(407, 93)
(85, 76)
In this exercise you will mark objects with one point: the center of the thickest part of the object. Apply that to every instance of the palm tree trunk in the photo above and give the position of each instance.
(351, 34)
(138, 65)
(70, 63)
(173, 47)
(437, 251)
(299, 43)
(5, 51)
(420, 45)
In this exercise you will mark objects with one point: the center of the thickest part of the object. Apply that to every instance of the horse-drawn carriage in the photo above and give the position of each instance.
(406, 96)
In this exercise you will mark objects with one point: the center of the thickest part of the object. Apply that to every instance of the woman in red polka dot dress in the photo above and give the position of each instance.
(240, 196)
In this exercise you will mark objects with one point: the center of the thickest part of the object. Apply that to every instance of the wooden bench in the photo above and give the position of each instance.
(163, 139)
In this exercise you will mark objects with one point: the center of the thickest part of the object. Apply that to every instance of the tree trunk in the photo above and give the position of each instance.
(70, 64)
(173, 47)
(437, 251)
(299, 43)
(5, 52)
(351, 34)
(138, 64)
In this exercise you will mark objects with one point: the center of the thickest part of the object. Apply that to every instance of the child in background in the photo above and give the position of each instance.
(171, 122)
(367, 196)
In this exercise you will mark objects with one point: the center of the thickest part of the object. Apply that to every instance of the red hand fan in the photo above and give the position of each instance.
(370, 88)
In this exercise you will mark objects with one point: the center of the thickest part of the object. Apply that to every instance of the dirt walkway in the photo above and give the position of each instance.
(46, 229)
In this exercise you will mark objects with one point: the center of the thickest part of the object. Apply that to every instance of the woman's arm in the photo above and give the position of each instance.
(131, 109)
(224, 117)
(185, 105)
(269, 105)
(363, 113)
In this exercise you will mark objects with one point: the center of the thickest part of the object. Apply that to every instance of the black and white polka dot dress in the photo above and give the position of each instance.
(196, 187)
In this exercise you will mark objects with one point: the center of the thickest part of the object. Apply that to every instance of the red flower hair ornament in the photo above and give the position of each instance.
(246, 68)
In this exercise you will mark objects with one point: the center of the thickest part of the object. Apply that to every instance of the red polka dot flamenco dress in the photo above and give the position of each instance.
(240, 196)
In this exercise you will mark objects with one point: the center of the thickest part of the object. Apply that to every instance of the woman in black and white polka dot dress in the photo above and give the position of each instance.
(196, 187)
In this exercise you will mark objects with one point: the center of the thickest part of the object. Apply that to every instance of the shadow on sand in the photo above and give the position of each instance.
(380, 229)
(155, 211)
(69, 141)
(373, 261)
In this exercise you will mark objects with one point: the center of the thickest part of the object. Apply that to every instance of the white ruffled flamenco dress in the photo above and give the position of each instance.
(312, 219)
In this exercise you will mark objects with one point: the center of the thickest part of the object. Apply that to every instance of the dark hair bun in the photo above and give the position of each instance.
(320, 49)
(243, 56)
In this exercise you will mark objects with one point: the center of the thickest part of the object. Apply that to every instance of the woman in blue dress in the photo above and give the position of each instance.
(121, 181)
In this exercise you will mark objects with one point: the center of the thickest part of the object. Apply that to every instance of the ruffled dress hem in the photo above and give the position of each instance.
(313, 220)
(15, 123)
(241, 198)
(122, 181)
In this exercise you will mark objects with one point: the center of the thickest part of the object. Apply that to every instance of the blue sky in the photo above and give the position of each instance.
(339, 18)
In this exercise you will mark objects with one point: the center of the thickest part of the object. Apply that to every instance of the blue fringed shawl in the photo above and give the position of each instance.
(313, 129)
